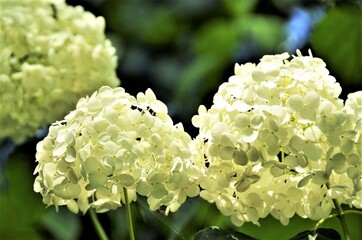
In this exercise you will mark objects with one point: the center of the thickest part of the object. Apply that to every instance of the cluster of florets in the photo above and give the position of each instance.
(51, 55)
(279, 141)
(113, 141)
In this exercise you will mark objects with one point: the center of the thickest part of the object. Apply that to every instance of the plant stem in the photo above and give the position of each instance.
(323, 220)
(99, 229)
(352, 212)
(129, 215)
(340, 216)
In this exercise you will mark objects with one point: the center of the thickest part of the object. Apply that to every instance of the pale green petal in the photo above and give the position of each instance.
(304, 181)
(214, 149)
(242, 121)
(157, 177)
(302, 161)
(297, 143)
(143, 188)
(97, 179)
(296, 102)
(354, 160)
(273, 125)
(73, 206)
(253, 154)
(276, 171)
(91, 164)
(218, 129)
(158, 191)
(256, 120)
(227, 153)
(258, 75)
(242, 186)
(353, 173)
(320, 178)
(71, 176)
(347, 146)
(249, 135)
(69, 139)
(111, 147)
(254, 199)
(308, 113)
(291, 161)
(312, 133)
(224, 205)
(60, 149)
(193, 190)
(338, 160)
(312, 151)
(312, 99)
(67, 190)
(126, 180)
(336, 192)
(240, 157)
(71, 155)
(222, 181)
(272, 141)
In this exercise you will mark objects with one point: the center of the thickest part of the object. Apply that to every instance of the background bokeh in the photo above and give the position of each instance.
(183, 50)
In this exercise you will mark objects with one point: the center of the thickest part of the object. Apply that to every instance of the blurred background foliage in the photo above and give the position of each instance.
(183, 50)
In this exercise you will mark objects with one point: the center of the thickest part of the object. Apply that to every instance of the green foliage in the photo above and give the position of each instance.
(151, 24)
(338, 40)
(22, 213)
(237, 8)
(20, 207)
(62, 225)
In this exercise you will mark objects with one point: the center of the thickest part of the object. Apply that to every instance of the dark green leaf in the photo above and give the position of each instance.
(338, 40)
(20, 207)
(322, 234)
(220, 234)
(63, 225)
(213, 35)
(238, 8)
(266, 31)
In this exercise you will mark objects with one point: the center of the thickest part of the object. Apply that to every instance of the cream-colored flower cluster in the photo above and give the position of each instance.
(113, 141)
(279, 141)
(51, 54)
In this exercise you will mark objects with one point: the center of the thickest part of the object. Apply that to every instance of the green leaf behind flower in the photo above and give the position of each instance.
(338, 40)
(20, 207)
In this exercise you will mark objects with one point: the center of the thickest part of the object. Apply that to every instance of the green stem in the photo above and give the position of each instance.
(340, 216)
(129, 215)
(99, 229)
(352, 212)
(323, 220)
(335, 215)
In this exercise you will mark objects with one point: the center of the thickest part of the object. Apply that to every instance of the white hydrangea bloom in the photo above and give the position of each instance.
(276, 136)
(112, 141)
(51, 54)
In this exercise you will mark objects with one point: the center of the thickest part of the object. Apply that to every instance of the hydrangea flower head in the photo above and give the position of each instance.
(279, 141)
(51, 55)
(113, 141)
